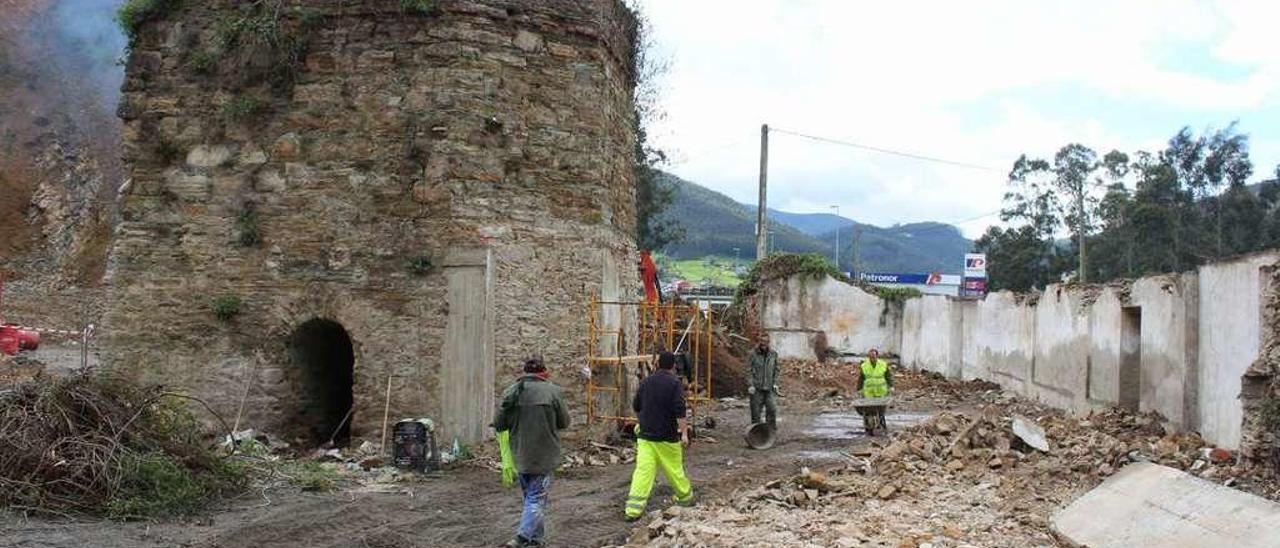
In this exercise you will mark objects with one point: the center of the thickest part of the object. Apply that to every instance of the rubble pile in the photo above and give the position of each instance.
(831, 374)
(598, 454)
(988, 477)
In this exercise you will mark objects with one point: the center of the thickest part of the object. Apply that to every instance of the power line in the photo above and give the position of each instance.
(886, 151)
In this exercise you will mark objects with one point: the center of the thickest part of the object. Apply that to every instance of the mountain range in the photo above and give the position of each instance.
(716, 224)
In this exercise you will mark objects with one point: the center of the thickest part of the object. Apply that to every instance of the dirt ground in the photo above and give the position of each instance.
(469, 507)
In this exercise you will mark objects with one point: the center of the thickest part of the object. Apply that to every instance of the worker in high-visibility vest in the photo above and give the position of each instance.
(875, 379)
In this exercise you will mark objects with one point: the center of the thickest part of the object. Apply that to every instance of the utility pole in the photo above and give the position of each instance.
(837, 208)
(762, 212)
(857, 249)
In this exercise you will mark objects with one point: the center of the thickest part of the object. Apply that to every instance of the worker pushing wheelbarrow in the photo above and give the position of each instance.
(875, 381)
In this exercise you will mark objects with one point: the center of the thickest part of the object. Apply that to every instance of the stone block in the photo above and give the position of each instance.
(190, 187)
(287, 148)
(209, 156)
(528, 41)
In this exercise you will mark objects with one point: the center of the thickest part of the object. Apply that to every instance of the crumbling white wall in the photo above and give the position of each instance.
(1105, 333)
(1168, 345)
(1196, 334)
(1060, 368)
(928, 336)
(1230, 334)
(796, 310)
(1001, 341)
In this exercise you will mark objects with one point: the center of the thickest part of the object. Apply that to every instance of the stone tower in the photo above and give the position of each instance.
(330, 198)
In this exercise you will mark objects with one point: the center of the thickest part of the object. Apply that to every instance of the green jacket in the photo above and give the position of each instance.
(533, 410)
(763, 369)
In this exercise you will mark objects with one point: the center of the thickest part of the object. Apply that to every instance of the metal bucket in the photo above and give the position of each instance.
(761, 436)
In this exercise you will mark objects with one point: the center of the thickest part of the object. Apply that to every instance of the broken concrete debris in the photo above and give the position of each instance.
(990, 478)
(1151, 505)
(1030, 433)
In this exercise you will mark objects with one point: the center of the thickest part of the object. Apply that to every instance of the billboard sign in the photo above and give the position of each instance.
(975, 265)
(932, 278)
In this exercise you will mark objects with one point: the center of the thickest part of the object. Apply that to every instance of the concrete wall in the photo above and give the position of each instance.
(796, 310)
(1168, 380)
(928, 339)
(1175, 344)
(1104, 349)
(1001, 341)
(1061, 364)
(1230, 326)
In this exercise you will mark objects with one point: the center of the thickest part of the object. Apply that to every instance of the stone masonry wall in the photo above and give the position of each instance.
(334, 165)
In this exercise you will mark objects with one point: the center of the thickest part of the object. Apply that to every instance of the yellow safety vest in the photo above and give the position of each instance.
(874, 384)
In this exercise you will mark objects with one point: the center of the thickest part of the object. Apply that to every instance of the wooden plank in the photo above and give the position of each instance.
(467, 370)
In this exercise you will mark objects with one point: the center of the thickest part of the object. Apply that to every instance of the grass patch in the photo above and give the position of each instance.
(420, 7)
(225, 307)
(265, 44)
(135, 13)
(785, 265)
(892, 294)
(204, 62)
(311, 476)
(248, 231)
(241, 107)
(718, 271)
(156, 485)
(420, 265)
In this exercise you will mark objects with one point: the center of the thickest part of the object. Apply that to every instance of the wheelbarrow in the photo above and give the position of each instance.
(873, 413)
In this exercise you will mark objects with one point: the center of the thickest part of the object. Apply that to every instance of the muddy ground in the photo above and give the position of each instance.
(469, 507)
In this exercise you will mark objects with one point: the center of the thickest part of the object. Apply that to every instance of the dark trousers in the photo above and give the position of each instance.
(769, 401)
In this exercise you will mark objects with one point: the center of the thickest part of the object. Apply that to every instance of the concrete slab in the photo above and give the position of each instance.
(1151, 505)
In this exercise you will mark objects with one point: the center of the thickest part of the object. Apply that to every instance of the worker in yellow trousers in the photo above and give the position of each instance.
(660, 438)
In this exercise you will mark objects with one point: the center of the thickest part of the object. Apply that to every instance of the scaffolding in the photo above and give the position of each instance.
(684, 329)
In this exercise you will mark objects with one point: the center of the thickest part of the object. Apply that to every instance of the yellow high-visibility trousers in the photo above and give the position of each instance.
(649, 456)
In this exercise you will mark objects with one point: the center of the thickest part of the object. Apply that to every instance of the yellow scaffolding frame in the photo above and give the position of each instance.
(660, 327)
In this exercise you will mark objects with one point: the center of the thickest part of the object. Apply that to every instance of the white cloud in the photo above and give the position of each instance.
(907, 76)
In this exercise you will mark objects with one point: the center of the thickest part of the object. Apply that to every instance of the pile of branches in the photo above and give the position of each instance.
(95, 445)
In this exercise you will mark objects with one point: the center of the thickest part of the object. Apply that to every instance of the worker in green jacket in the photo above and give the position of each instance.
(763, 378)
(874, 378)
(532, 413)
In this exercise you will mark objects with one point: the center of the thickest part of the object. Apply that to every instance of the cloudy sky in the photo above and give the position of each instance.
(974, 82)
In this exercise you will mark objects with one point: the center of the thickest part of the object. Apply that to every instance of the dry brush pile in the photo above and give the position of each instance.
(93, 445)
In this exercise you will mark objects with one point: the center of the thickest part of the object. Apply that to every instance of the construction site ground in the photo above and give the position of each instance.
(822, 484)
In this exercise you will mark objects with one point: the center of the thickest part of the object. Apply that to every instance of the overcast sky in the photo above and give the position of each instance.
(975, 82)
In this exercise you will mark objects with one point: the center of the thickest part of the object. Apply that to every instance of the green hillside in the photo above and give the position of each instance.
(715, 224)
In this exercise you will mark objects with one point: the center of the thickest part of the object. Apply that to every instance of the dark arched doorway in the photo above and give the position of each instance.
(325, 361)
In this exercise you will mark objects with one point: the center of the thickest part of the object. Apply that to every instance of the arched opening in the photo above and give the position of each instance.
(325, 359)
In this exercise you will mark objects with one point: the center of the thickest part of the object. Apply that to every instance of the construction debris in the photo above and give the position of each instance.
(1030, 433)
(987, 478)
